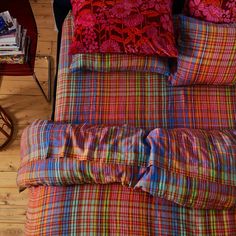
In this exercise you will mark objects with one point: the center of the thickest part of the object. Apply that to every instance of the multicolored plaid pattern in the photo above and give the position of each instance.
(112, 209)
(138, 99)
(120, 62)
(180, 165)
(207, 53)
(142, 100)
(117, 210)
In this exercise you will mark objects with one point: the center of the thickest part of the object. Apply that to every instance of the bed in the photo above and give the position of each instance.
(128, 154)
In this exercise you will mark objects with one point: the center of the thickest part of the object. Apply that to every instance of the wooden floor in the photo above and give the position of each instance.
(24, 102)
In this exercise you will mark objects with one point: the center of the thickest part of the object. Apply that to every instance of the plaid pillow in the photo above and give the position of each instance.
(207, 53)
(120, 62)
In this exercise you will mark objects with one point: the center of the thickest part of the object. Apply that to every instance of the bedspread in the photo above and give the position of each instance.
(138, 99)
(184, 173)
(130, 155)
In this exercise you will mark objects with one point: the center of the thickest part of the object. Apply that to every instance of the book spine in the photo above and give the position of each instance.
(7, 22)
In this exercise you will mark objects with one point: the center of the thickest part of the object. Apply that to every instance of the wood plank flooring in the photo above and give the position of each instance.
(22, 99)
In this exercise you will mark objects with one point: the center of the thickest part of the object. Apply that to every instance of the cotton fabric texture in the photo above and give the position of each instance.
(84, 210)
(212, 11)
(123, 26)
(120, 62)
(180, 165)
(207, 53)
(127, 171)
(143, 102)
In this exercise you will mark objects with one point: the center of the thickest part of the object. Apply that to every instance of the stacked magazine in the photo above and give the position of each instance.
(14, 42)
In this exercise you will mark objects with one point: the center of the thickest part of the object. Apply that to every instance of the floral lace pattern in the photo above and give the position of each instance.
(123, 26)
(216, 11)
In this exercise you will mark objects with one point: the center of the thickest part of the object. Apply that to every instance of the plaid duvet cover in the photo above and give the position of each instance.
(117, 210)
(178, 169)
(138, 99)
(144, 183)
(180, 165)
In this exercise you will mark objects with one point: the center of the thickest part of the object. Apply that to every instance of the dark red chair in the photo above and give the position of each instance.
(21, 9)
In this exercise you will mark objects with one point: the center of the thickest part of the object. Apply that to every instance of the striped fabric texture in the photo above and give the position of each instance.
(207, 53)
(120, 62)
(144, 100)
(180, 165)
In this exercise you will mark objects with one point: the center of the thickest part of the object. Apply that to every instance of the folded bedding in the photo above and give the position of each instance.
(119, 180)
(120, 62)
(194, 168)
(129, 154)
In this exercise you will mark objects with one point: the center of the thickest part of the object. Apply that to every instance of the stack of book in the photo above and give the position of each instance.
(14, 42)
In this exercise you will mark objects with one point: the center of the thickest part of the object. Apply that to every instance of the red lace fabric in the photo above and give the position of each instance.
(212, 10)
(123, 26)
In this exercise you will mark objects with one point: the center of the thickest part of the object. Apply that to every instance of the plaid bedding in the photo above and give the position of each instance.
(171, 172)
(120, 62)
(138, 99)
(142, 100)
(117, 210)
(180, 165)
(207, 53)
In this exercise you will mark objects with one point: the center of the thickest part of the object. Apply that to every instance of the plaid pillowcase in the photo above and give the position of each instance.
(207, 53)
(120, 62)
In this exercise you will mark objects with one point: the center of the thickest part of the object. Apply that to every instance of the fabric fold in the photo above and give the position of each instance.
(191, 167)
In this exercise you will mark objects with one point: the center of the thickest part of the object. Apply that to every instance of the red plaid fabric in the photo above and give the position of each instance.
(207, 53)
(180, 165)
(146, 101)
(120, 62)
(117, 210)
(138, 99)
